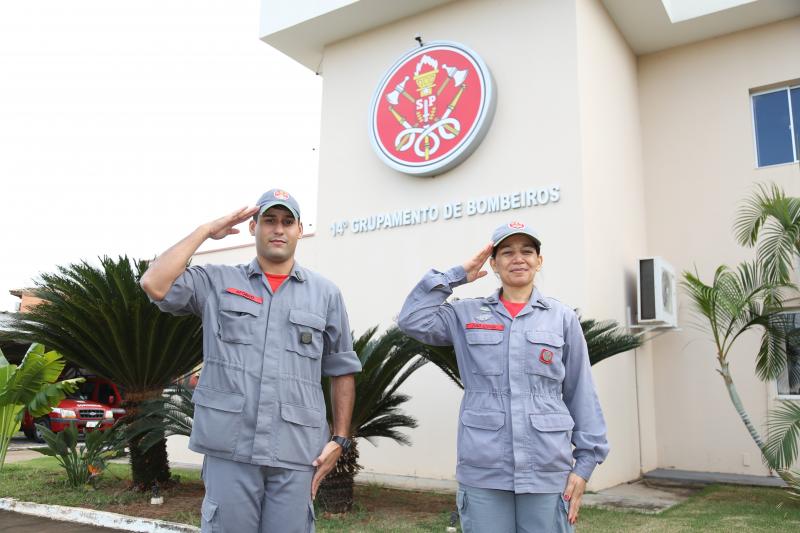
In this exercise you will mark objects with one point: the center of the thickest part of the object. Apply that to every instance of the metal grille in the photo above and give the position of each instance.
(91, 413)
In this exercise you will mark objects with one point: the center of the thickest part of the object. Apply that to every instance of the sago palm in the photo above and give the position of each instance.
(388, 361)
(101, 320)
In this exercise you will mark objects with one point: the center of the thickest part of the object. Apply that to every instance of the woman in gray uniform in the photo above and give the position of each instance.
(528, 390)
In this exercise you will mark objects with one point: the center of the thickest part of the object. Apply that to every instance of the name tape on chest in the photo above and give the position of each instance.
(245, 294)
(480, 325)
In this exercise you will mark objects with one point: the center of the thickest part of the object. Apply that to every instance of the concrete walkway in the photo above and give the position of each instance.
(16, 456)
(639, 496)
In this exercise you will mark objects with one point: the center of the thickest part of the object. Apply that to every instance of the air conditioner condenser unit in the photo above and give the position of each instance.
(657, 293)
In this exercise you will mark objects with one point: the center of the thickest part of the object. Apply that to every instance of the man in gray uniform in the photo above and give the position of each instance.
(271, 329)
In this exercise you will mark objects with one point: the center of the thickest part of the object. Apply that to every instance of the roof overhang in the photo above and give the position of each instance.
(654, 25)
(301, 30)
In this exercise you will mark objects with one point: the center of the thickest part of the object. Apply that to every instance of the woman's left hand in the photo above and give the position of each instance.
(576, 485)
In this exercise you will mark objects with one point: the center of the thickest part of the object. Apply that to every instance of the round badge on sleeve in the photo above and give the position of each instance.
(432, 109)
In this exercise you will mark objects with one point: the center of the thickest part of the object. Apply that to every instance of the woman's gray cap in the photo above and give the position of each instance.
(275, 197)
(513, 228)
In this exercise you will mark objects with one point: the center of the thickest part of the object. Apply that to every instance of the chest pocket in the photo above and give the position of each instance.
(305, 333)
(485, 351)
(237, 318)
(545, 357)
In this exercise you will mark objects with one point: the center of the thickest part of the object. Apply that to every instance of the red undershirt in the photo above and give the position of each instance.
(513, 308)
(275, 280)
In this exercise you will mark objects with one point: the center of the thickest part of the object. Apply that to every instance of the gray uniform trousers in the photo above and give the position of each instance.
(246, 498)
(503, 511)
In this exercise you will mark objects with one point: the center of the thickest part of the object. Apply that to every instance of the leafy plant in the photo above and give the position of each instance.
(32, 385)
(83, 464)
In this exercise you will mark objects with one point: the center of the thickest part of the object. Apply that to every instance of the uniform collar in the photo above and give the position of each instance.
(298, 272)
(537, 299)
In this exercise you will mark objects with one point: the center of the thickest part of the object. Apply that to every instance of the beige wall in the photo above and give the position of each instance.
(614, 232)
(699, 164)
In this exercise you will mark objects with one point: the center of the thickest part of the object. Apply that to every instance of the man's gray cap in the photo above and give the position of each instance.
(275, 197)
(513, 228)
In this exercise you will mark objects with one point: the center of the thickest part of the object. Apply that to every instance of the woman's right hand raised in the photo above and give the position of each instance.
(474, 265)
(224, 226)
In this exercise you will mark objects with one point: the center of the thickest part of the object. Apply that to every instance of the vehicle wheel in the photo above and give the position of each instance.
(45, 421)
(30, 434)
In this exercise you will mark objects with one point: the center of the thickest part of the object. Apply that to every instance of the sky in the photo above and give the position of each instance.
(124, 125)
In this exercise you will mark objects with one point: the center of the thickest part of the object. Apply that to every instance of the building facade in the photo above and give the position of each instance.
(640, 114)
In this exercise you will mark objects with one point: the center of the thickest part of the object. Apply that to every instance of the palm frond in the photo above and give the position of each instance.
(99, 318)
(771, 220)
(783, 424)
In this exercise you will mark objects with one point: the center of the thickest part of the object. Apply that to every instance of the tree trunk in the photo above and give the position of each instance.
(335, 494)
(737, 404)
(152, 466)
(785, 475)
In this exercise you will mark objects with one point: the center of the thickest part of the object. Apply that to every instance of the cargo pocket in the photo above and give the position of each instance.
(481, 443)
(209, 517)
(551, 450)
(305, 333)
(485, 351)
(237, 318)
(216, 419)
(545, 356)
(300, 438)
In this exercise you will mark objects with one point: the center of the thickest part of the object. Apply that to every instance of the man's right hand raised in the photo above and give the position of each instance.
(166, 268)
(224, 226)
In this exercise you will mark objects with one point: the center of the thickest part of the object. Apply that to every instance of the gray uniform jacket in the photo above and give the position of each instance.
(259, 398)
(528, 389)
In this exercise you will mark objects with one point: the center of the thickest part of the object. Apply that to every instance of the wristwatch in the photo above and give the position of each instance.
(344, 442)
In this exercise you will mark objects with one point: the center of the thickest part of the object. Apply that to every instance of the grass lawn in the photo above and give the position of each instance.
(720, 508)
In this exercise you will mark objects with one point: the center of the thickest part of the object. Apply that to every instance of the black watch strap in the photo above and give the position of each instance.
(344, 442)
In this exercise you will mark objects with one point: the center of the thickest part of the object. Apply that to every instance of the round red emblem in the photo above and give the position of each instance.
(431, 109)
(281, 195)
(546, 356)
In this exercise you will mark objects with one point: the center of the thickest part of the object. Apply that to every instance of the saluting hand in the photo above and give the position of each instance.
(474, 265)
(224, 226)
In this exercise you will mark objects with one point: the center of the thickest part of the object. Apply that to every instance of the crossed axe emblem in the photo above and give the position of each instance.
(426, 138)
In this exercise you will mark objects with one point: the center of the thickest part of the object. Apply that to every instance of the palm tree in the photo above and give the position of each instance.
(101, 320)
(738, 301)
(772, 220)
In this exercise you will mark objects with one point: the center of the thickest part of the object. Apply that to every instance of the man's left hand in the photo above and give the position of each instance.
(576, 486)
(324, 463)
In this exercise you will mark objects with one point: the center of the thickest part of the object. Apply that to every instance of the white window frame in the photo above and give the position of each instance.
(788, 90)
(778, 395)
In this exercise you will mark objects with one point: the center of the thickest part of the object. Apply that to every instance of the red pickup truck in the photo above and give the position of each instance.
(96, 405)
